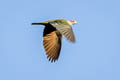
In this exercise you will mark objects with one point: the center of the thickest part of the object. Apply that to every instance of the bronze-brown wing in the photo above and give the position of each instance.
(52, 45)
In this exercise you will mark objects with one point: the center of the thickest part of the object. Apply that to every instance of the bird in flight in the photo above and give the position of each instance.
(52, 34)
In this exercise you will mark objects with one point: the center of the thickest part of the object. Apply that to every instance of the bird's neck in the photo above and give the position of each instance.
(69, 23)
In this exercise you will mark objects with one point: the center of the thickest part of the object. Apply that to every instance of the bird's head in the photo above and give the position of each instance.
(73, 22)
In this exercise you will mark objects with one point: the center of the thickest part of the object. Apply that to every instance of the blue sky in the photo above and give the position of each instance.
(95, 55)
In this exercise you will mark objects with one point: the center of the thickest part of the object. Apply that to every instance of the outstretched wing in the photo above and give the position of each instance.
(64, 29)
(52, 43)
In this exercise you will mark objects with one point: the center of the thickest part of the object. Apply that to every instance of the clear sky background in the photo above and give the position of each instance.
(95, 55)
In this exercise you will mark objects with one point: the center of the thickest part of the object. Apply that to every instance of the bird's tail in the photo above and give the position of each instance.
(38, 23)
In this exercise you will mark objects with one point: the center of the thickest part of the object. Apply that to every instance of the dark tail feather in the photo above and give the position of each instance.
(37, 23)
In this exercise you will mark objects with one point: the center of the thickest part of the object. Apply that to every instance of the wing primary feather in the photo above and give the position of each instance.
(52, 45)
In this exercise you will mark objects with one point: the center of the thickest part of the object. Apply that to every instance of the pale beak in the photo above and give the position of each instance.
(75, 22)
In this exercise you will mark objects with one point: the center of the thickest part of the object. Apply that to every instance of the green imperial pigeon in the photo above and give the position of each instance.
(54, 29)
